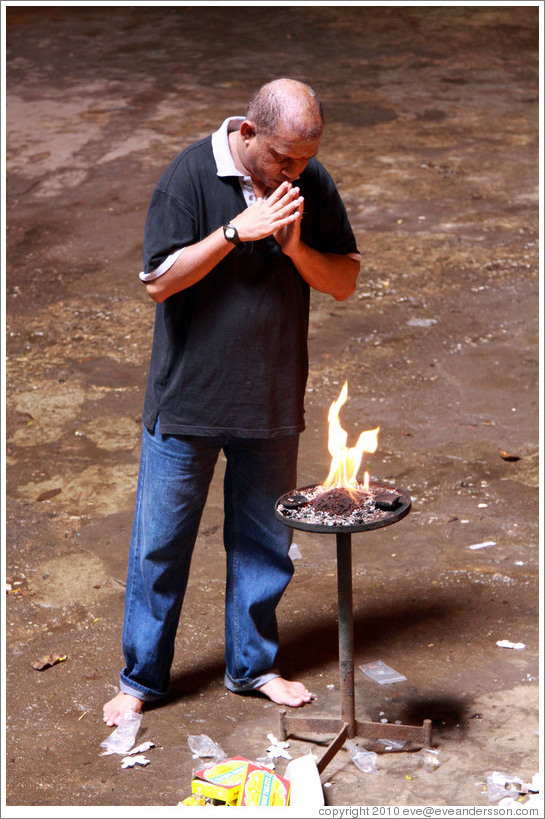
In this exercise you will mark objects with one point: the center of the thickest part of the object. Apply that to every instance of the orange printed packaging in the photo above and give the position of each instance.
(261, 786)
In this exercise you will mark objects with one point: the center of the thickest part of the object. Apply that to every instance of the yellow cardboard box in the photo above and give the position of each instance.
(221, 781)
(262, 787)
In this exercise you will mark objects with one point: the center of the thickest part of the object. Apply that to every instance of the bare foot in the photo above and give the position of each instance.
(284, 692)
(115, 709)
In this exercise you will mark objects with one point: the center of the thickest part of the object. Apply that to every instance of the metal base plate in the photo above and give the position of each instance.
(295, 726)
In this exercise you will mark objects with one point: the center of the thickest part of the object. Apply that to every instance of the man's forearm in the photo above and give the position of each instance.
(261, 219)
(331, 273)
(191, 266)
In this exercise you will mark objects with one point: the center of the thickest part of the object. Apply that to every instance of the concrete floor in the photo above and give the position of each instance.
(432, 135)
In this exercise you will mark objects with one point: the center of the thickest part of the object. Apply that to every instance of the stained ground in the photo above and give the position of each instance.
(432, 136)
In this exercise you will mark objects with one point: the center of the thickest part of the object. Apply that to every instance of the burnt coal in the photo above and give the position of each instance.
(338, 502)
(387, 500)
(295, 501)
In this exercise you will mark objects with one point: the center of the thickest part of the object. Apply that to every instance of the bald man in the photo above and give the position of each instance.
(239, 228)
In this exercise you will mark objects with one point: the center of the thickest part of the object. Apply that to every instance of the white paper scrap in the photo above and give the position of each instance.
(484, 545)
(272, 739)
(131, 761)
(140, 749)
(273, 752)
(277, 748)
(509, 644)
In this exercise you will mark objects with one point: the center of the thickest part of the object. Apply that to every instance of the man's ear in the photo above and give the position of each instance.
(247, 129)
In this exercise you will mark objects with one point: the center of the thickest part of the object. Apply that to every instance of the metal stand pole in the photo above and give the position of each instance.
(347, 727)
(346, 631)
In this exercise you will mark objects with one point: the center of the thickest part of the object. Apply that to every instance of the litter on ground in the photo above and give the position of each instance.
(509, 644)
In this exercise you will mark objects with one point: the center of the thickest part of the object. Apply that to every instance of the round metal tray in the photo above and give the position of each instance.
(380, 517)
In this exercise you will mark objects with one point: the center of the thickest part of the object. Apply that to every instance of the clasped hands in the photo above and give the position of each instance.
(279, 215)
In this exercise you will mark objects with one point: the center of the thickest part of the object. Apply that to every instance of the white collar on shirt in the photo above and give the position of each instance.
(220, 146)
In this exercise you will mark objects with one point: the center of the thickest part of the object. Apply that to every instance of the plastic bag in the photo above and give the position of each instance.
(382, 673)
(362, 759)
(501, 784)
(428, 759)
(122, 739)
(201, 746)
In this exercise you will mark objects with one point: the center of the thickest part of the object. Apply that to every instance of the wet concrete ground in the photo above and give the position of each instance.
(432, 136)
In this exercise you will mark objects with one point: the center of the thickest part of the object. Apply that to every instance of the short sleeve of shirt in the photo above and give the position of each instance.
(325, 224)
(169, 226)
(172, 218)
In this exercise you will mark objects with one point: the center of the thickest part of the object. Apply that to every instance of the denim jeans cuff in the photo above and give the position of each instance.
(138, 691)
(250, 684)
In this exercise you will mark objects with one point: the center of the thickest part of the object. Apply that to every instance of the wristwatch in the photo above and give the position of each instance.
(231, 234)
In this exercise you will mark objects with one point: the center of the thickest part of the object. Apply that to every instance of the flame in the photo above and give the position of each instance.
(346, 461)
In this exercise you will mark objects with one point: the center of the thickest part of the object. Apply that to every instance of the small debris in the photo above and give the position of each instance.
(509, 644)
(484, 545)
(508, 456)
(140, 749)
(294, 552)
(428, 759)
(393, 744)
(131, 761)
(381, 673)
(421, 322)
(202, 747)
(362, 759)
(277, 749)
(47, 661)
(500, 785)
(50, 493)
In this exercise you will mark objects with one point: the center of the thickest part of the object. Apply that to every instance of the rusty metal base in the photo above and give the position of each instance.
(347, 726)
(295, 726)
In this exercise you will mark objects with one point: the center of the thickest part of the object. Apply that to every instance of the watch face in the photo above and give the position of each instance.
(230, 233)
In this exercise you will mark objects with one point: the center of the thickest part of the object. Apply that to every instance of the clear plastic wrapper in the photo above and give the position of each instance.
(393, 744)
(122, 739)
(362, 759)
(500, 785)
(382, 673)
(202, 747)
(428, 759)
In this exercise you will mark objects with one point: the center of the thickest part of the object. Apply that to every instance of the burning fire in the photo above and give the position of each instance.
(345, 461)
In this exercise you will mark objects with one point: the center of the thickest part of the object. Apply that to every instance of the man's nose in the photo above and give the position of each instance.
(293, 170)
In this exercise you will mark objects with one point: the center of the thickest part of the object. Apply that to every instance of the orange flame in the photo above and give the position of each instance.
(346, 461)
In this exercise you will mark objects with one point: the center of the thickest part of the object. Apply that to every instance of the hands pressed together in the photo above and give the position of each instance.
(279, 215)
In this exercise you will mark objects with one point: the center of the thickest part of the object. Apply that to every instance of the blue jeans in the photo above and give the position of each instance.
(173, 482)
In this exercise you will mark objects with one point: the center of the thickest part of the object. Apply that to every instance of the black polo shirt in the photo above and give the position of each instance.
(229, 353)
